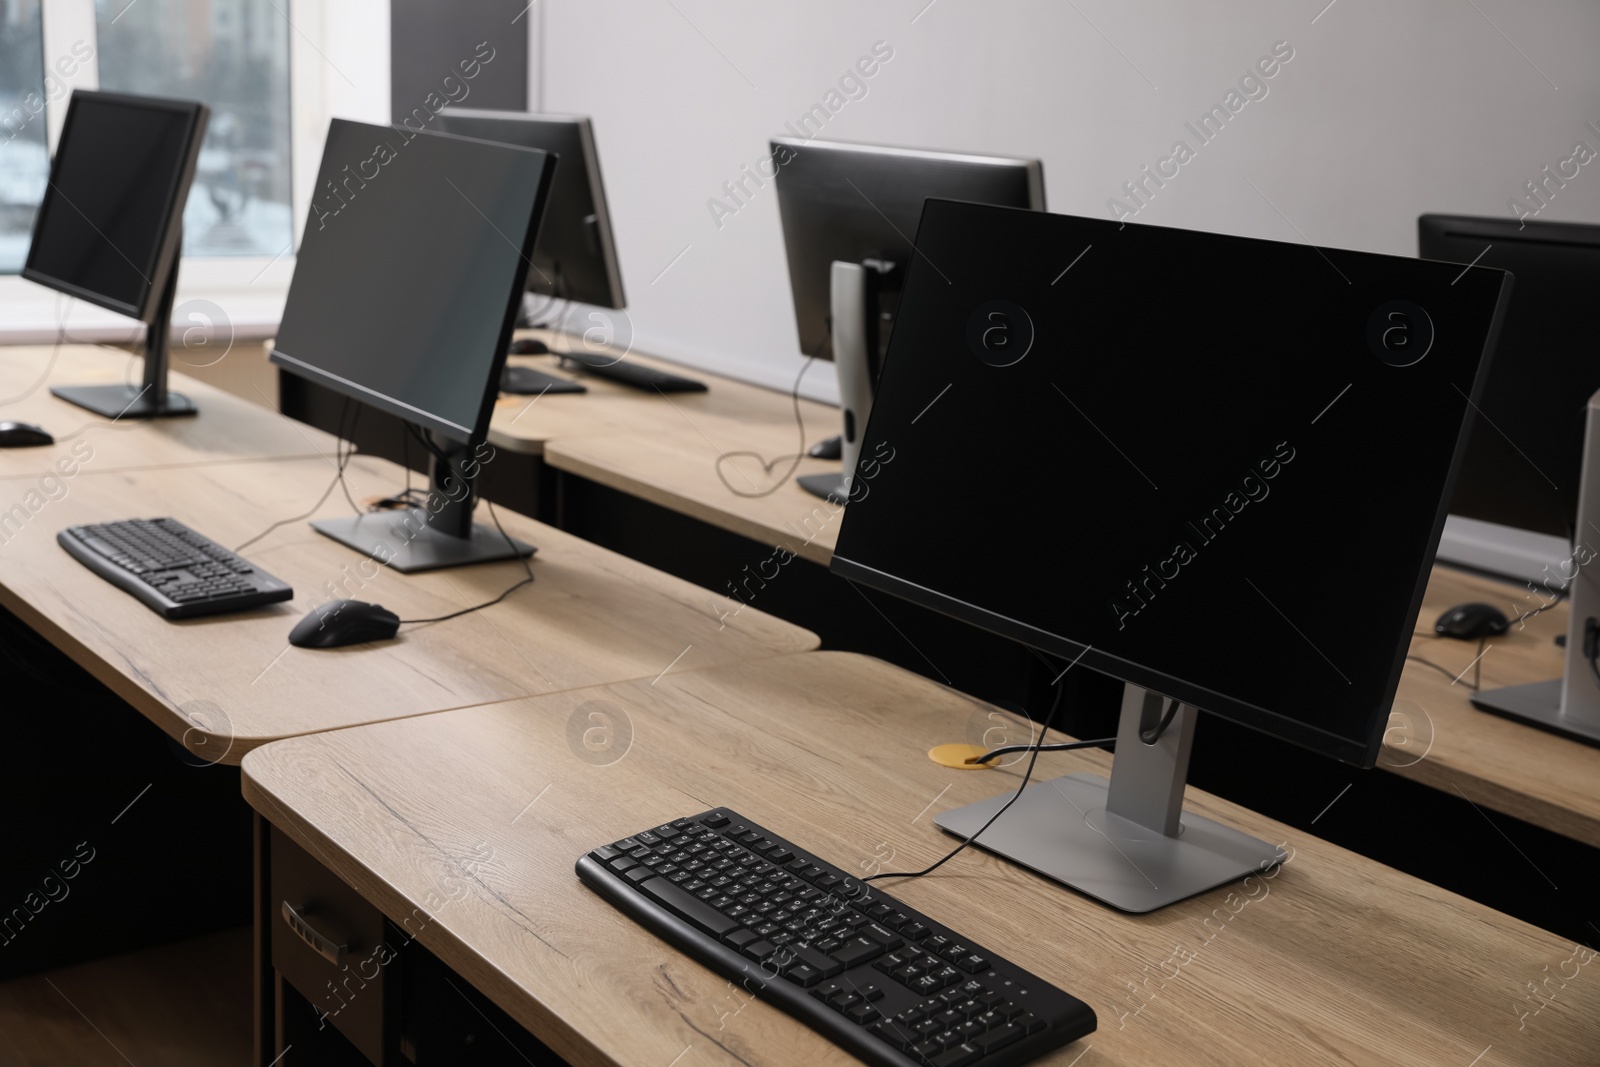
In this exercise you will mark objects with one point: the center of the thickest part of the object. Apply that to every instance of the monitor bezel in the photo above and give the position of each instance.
(169, 252)
(1357, 752)
(468, 435)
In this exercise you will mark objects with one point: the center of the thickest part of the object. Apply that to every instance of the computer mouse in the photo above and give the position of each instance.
(529, 347)
(827, 448)
(1472, 621)
(344, 622)
(24, 435)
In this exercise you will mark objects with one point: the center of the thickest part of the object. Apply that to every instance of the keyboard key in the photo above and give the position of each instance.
(859, 950)
(829, 990)
(870, 990)
(891, 1034)
(686, 905)
(862, 1014)
(997, 1039)
(883, 936)
(740, 938)
(914, 931)
(639, 874)
(972, 963)
(959, 1056)
(714, 821)
(802, 973)
(759, 950)
(1028, 1022)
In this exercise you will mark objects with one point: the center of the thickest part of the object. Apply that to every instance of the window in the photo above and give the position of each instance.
(24, 160)
(234, 56)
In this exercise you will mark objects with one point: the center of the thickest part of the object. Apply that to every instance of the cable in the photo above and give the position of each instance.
(1153, 735)
(1477, 667)
(488, 603)
(1063, 747)
(349, 450)
(342, 457)
(948, 856)
(795, 458)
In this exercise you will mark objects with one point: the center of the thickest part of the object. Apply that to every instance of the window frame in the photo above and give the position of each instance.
(258, 283)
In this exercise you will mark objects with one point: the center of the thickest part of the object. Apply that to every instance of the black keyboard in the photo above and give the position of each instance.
(175, 571)
(885, 983)
(633, 374)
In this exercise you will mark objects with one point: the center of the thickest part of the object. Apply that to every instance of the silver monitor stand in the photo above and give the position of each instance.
(852, 308)
(1569, 705)
(1125, 841)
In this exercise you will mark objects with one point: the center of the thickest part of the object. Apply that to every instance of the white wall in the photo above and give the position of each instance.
(1386, 111)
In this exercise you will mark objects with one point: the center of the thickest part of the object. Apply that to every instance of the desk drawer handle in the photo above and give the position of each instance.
(319, 944)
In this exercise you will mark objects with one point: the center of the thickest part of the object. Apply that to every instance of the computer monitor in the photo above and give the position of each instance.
(1212, 467)
(403, 298)
(110, 228)
(849, 214)
(1521, 468)
(575, 258)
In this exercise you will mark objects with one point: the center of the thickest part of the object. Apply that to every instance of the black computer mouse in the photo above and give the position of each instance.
(827, 448)
(24, 435)
(1472, 621)
(344, 622)
(529, 347)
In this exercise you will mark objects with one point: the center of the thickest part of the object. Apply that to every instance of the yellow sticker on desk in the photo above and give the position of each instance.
(957, 756)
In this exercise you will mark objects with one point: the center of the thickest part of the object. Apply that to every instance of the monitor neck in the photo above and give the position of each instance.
(158, 337)
(453, 476)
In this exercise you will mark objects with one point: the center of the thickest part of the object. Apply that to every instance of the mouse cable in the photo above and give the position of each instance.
(488, 603)
(794, 458)
(342, 457)
(1477, 667)
(948, 856)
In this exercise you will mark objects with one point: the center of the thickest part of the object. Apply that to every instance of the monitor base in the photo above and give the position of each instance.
(1061, 829)
(404, 541)
(120, 401)
(1537, 704)
(829, 487)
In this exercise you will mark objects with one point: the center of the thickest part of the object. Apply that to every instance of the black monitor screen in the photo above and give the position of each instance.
(1524, 455)
(1217, 464)
(119, 178)
(575, 258)
(410, 271)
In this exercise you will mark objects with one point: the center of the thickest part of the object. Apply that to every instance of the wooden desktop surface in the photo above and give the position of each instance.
(225, 684)
(227, 429)
(1437, 737)
(739, 483)
(728, 417)
(466, 826)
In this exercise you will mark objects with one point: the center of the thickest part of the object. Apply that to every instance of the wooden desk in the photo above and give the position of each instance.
(225, 684)
(227, 429)
(687, 473)
(473, 820)
(1439, 738)
(722, 417)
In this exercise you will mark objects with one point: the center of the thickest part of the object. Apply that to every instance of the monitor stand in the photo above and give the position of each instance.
(150, 399)
(1125, 841)
(853, 315)
(1569, 705)
(435, 536)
